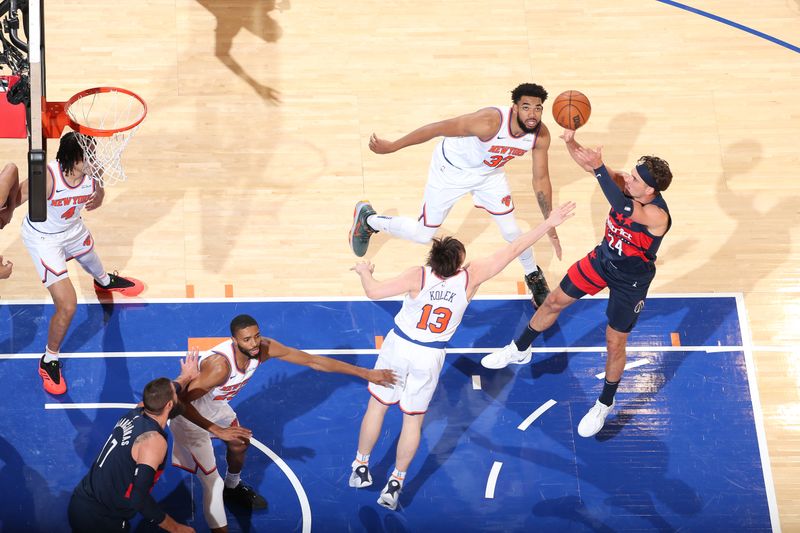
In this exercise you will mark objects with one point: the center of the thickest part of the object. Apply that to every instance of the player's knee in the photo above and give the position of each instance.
(423, 235)
(66, 308)
(238, 447)
(11, 169)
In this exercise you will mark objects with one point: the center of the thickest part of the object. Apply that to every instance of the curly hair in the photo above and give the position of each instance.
(69, 152)
(659, 169)
(446, 256)
(528, 89)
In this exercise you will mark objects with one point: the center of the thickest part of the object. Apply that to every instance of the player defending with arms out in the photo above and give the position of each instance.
(63, 236)
(436, 297)
(625, 262)
(132, 459)
(471, 159)
(224, 370)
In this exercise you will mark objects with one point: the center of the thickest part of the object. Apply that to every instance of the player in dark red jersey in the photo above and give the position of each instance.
(624, 262)
(118, 484)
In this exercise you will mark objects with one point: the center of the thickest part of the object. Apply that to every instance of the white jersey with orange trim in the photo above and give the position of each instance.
(490, 156)
(237, 378)
(65, 202)
(436, 312)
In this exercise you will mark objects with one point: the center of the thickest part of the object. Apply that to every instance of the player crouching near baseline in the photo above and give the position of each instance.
(224, 370)
(436, 297)
(119, 483)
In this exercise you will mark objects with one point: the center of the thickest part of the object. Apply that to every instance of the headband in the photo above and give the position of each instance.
(648, 178)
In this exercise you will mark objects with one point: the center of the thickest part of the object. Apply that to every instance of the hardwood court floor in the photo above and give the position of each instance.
(255, 148)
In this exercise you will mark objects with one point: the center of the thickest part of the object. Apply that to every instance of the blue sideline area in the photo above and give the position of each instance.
(679, 453)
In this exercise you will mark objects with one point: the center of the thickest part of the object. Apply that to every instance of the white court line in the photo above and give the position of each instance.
(476, 383)
(89, 405)
(758, 416)
(492, 481)
(305, 506)
(536, 414)
(373, 351)
(632, 364)
(139, 301)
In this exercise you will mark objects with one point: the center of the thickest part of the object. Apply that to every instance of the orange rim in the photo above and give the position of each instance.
(98, 132)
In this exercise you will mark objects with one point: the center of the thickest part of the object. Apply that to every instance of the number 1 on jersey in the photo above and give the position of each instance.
(442, 315)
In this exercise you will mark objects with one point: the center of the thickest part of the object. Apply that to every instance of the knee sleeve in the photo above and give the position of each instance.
(404, 227)
(213, 505)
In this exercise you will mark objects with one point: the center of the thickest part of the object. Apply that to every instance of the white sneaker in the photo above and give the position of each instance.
(509, 355)
(390, 494)
(593, 421)
(360, 477)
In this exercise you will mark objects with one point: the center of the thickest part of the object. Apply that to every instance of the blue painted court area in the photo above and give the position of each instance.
(681, 452)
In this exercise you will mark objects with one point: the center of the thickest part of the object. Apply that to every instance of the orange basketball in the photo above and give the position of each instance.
(571, 109)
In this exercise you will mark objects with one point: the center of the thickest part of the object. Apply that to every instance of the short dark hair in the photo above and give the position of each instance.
(446, 256)
(241, 322)
(69, 152)
(528, 89)
(156, 395)
(659, 169)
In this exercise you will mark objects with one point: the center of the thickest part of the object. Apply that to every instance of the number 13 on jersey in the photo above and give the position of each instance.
(437, 323)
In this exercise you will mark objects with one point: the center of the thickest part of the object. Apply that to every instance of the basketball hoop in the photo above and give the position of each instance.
(106, 119)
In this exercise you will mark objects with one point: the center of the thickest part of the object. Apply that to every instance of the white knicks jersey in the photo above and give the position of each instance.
(436, 312)
(65, 202)
(488, 157)
(237, 379)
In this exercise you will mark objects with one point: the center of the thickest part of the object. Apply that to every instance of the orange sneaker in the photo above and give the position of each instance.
(124, 286)
(52, 380)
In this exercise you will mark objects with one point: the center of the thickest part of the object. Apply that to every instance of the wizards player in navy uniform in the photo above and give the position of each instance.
(624, 262)
(119, 483)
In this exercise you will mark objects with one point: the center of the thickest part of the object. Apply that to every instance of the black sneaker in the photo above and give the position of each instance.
(52, 380)
(538, 287)
(117, 283)
(390, 494)
(244, 496)
(360, 231)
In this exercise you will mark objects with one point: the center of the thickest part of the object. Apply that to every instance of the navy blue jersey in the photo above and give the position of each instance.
(110, 480)
(629, 246)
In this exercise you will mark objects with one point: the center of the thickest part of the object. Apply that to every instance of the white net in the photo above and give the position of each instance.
(106, 121)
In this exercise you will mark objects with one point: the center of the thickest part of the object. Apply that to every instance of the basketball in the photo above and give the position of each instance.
(571, 109)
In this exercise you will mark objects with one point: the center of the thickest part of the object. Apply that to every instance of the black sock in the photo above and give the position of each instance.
(609, 390)
(526, 338)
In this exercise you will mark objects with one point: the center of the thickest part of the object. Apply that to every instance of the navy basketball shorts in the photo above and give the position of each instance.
(626, 291)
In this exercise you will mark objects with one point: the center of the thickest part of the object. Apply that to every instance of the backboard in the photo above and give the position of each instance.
(22, 85)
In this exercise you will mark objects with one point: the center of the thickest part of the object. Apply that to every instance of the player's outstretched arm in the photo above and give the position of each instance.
(482, 123)
(408, 281)
(190, 368)
(273, 348)
(481, 270)
(149, 450)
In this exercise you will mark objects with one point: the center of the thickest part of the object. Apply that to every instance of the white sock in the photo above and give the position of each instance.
(50, 355)
(231, 480)
(213, 505)
(399, 476)
(361, 459)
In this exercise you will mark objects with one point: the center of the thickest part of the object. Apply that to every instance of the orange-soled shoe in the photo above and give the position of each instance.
(124, 286)
(52, 380)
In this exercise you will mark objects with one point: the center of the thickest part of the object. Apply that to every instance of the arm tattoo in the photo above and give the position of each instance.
(144, 436)
(544, 204)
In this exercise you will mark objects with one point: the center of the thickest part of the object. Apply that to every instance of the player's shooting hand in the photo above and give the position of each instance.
(380, 146)
(5, 268)
(234, 434)
(588, 158)
(384, 377)
(363, 267)
(568, 136)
